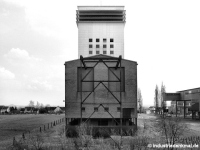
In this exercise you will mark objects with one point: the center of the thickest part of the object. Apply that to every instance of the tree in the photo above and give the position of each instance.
(140, 100)
(171, 129)
(37, 105)
(31, 103)
(162, 92)
(156, 99)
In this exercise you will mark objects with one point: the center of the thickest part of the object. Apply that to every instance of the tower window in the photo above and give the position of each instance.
(97, 46)
(104, 52)
(111, 40)
(90, 52)
(104, 46)
(95, 108)
(111, 52)
(97, 40)
(90, 46)
(104, 40)
(111, 46)
(90, 40)
(97, 52)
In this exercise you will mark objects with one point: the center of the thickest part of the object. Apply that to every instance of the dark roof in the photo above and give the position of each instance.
(102, 56)
(189, 89)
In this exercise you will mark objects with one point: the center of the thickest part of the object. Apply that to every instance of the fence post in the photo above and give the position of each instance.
(13, 140)
(48, 125)
(23, 136)
(44, 127)
(40, 129)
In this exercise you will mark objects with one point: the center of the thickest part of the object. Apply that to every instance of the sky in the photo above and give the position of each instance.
(38, 36)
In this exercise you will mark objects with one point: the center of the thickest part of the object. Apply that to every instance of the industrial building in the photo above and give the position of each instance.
(101, 90)
(101, 86)
(185, 102)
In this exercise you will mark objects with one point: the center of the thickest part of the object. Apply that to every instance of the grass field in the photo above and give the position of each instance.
(14, 125)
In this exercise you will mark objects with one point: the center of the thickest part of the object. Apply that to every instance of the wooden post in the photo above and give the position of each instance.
(184, 108)
(44, 127)
(40, 129)
(13, 140)
(23, 136)
(48, 125)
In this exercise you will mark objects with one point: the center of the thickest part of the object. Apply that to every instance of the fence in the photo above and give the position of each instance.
(40, 129)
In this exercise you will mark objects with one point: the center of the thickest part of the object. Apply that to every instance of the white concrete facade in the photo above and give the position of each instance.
(102, 30)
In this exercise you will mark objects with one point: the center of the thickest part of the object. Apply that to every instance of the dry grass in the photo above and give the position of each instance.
(14, 125)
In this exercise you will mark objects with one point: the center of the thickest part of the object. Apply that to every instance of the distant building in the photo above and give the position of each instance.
(184, 102)
(101, 30)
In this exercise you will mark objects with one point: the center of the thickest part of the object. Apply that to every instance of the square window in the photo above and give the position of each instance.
(106, 109)
(118, 109)
(83, 109)
(97, 40)
(104, 52)
(111, 52)
(97, 46)
(90, 46)
(95, 108)
(111, 46)
(97, 52)
(90, 40)
(111, 40)
(104, 40)
(90, 52)
(104, 46)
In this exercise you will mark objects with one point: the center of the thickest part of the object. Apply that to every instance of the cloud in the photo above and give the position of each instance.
(40, 85)
(6, 74)
(18, 56)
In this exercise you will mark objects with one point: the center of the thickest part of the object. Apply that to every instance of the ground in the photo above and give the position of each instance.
(15, 125)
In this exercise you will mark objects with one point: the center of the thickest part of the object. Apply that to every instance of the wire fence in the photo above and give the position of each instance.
(41, 129)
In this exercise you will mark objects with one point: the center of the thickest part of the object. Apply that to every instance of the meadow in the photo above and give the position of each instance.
(15, 125)
(54, 137)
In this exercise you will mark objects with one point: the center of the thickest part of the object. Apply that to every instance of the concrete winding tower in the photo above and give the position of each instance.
(100, 30)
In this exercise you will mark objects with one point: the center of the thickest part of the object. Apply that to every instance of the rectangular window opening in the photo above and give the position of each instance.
(111, 52)
(90, 52)
(97, 40)
(95, 108)
(90, 46)
(106, 109)
(111, 46)
(111, 40)
(97, 46)
(118, 109)
(90, 40)
(104, 52)
(104, 40)
(83, 109)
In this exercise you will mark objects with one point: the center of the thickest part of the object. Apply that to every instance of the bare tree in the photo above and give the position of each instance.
(162, 92)
(171, 129)
(140, 100)
(31, 103)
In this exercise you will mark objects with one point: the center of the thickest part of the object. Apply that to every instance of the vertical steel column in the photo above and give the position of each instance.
(120, 97)
(81, 92)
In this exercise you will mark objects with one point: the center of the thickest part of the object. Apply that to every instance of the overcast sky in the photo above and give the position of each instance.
(38, 36)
